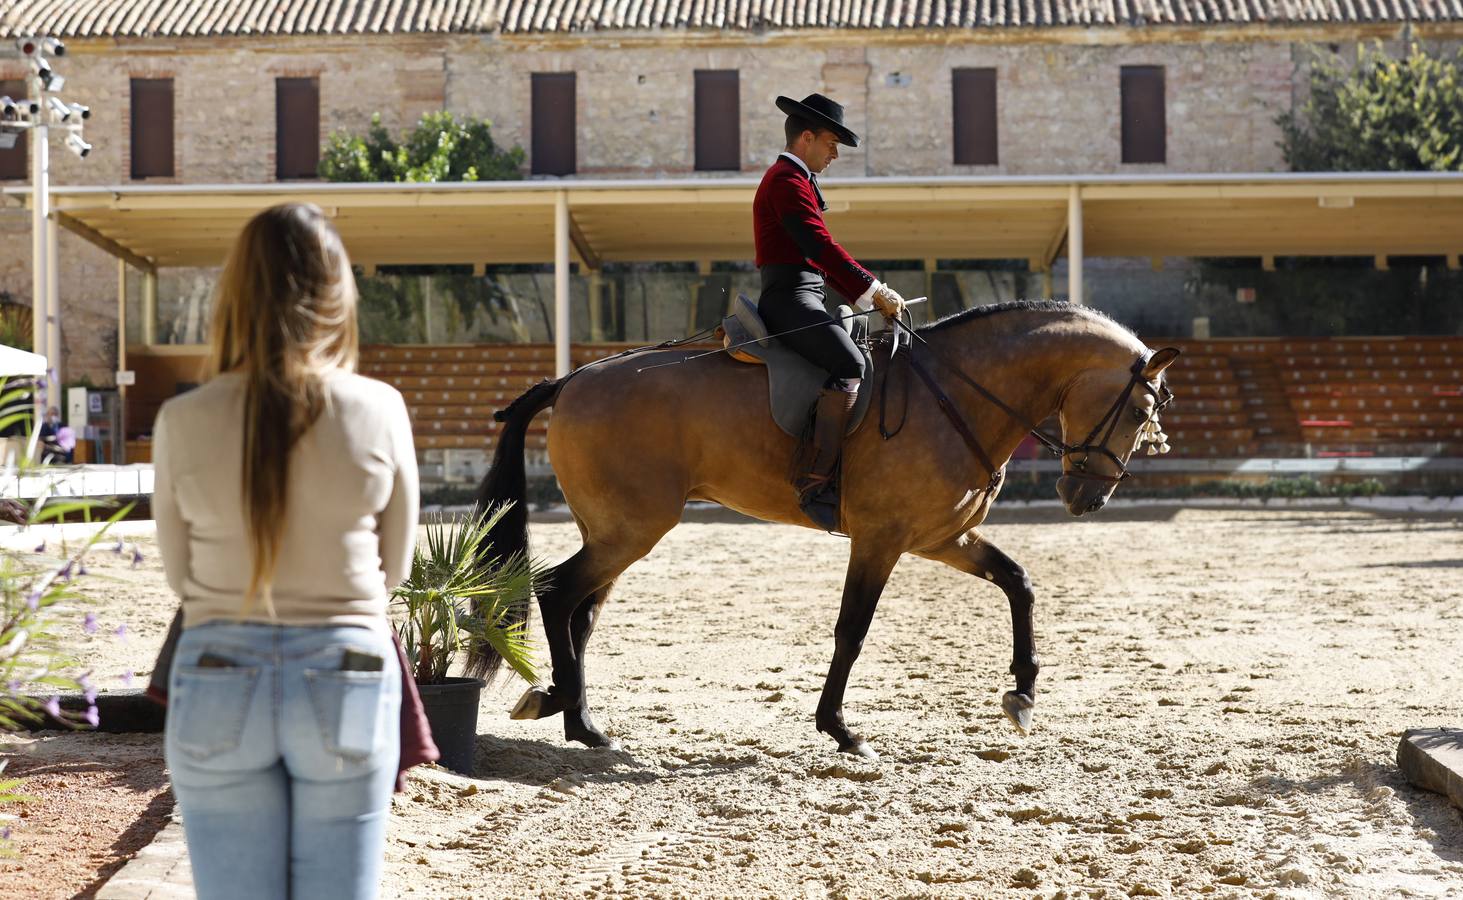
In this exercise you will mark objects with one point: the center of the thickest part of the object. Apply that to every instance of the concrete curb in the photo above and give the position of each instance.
(159, 871)
(119, 712)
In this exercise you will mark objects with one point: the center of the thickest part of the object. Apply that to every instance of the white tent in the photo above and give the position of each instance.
(20, 362)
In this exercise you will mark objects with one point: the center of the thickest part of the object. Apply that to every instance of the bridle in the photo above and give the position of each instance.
(1161, 398)
(1105, 426)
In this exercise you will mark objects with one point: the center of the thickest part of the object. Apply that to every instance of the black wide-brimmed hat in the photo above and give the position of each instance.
(822, 112)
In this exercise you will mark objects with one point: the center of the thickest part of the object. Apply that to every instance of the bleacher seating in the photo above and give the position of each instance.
(1235, 398)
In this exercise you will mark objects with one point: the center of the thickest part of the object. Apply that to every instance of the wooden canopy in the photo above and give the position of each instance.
(876, 218)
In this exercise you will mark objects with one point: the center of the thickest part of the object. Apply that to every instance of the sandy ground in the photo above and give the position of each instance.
(1222, 696)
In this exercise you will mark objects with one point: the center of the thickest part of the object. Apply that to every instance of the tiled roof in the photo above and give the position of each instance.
(148, 18)
(141, 18)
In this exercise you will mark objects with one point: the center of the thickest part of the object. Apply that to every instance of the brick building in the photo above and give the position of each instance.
(246, 93)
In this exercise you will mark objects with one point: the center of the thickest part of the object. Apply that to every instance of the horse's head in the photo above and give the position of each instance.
(1105, 414)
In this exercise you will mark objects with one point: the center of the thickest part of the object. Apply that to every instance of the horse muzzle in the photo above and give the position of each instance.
(1083, 495)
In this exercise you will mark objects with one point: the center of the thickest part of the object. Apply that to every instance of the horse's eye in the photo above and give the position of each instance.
(1140, 414)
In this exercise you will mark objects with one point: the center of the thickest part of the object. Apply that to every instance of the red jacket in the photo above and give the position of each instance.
(787, 219)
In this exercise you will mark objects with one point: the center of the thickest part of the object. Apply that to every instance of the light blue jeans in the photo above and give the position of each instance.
(282, 761)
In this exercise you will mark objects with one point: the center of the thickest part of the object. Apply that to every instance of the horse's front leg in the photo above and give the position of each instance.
(974, 555)
(868, 571)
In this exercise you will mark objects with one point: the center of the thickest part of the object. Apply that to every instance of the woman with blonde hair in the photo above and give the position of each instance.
(286, 508)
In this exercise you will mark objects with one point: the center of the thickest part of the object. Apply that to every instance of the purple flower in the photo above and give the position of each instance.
(53, 707)
(88, 690)
(92, 717)
(33, 600)
(41, 547)
(5, 833)
(136, 557)
(89, 624)
(121, 545)
(81, 570)
(127, 678)
(65, 573)
(121, 632)
(14, 685)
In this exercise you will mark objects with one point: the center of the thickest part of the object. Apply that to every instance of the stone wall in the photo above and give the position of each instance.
(1058, 111)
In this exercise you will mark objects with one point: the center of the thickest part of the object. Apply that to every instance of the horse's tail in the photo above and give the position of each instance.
(507, 482)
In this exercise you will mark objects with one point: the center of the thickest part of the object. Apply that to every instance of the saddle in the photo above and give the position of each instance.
(793, 383)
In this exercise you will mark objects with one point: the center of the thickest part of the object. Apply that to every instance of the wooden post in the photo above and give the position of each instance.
(1074, 245)
(149, 308)
(562, 365)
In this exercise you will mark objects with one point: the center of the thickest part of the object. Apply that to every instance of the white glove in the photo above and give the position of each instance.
(888, 302)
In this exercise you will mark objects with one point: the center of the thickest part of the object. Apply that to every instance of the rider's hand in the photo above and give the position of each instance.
(888, 302)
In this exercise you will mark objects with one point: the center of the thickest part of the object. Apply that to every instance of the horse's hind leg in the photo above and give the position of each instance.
(972, 554)
(569, 606)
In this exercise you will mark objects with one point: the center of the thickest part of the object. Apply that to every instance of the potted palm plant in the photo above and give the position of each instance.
(458, 595)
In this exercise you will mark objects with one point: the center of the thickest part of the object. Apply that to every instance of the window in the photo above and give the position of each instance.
(718, 120)
(296, 127)
(974, 91)
(553, 124)
(13, 161)
(152, 128)
(1144, 122)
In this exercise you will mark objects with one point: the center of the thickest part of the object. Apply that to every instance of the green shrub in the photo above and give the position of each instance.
(439, 148)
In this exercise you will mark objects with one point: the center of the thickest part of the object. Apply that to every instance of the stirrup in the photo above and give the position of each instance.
(820, 503)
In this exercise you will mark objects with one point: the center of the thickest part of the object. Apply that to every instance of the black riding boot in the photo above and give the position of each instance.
(817, 479)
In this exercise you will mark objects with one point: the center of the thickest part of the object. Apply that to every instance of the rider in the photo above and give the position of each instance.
(796, 254)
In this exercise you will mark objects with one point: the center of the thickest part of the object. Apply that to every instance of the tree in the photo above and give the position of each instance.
(1384, 114)
(439, 148)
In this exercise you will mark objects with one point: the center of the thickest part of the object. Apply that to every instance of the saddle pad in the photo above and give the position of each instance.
(793, 383)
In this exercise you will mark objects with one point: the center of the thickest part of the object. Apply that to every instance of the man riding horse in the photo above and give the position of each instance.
(797, 256)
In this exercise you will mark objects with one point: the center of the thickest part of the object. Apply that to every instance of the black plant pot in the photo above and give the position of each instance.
(452, 712)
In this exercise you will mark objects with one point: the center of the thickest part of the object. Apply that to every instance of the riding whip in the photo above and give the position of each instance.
(770, 336)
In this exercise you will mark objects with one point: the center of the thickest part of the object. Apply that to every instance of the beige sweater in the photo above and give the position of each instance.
(351, 506)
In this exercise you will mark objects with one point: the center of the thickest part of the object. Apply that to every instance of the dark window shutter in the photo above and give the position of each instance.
(718, 120)
(296, 127)
(974, 91)
(152, 128)
(1144, 119)
(13, 162)
(553, 124)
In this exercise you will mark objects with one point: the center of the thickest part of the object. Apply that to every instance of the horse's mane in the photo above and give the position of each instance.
(980, 312)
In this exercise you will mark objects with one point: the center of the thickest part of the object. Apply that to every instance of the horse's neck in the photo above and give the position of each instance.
(1029, 358)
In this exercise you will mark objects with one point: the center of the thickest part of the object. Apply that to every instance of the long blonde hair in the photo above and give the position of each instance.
(284, 317)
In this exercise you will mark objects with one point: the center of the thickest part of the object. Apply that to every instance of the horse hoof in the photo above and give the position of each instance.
(1017, 708)
(860, 747)
(534, 704)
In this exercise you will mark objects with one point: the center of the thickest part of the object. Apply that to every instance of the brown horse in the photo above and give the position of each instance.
(632, 445)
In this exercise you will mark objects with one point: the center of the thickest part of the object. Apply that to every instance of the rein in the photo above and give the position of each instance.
(1055, 445)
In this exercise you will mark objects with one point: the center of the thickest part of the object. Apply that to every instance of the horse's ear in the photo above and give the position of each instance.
(1160, 360)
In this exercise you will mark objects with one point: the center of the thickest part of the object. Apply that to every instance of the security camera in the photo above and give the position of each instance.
(49, 79)
(59, 110)
(83, 112)
(9, 110)
(76, 145)
(53, 46)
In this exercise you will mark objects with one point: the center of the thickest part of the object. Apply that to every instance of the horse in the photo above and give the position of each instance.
(632, 441)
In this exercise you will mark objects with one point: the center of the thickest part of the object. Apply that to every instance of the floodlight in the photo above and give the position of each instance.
(76, 145)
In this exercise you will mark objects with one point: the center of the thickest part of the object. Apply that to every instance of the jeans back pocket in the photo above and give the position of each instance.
(208, 707)
(348, 706)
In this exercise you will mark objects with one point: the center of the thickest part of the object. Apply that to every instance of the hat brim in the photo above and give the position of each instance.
(796, 108)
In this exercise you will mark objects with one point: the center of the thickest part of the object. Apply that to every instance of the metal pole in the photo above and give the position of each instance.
(53, 309)
(40, 211)
(122, 348)
(561, 284)
(1074, 245)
